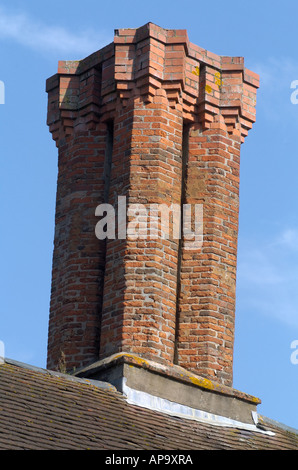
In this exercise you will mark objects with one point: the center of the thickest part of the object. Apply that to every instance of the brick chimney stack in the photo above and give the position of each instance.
(149, 120)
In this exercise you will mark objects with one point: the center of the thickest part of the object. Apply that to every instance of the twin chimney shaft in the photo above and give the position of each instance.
(155, 122)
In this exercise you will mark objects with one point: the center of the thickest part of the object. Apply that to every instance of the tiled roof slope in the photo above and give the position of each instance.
(44, 410)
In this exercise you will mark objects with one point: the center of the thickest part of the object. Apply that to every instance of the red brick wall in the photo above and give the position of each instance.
(208, 275)
(179, 115)
(139, 308)
(79, 257)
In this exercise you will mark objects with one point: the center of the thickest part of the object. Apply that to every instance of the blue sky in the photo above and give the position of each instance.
(34, 35)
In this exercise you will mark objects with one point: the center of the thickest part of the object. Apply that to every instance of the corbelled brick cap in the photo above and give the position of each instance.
(179, 114)
(148, 59)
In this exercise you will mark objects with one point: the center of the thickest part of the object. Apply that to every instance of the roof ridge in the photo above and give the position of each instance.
(278, 424)
(71, 378)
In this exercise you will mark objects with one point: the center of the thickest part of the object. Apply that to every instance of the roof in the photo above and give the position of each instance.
(45, 410)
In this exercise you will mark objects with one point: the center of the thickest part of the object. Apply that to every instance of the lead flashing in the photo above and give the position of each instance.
(145, 400)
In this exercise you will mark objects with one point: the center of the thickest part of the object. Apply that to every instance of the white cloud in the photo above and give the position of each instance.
(257, 268)
(274, 94)
(34, 34)
(268, 277)
(288, 239)
(274, 71)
